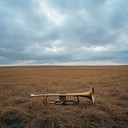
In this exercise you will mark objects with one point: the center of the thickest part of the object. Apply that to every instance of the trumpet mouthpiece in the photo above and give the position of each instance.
(33, 95)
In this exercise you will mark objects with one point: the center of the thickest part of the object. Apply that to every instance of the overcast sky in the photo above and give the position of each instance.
(76, 32)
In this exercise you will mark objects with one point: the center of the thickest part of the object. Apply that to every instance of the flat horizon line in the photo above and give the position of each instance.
(61, 65)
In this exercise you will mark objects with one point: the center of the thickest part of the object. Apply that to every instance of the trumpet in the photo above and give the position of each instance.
(62, 97)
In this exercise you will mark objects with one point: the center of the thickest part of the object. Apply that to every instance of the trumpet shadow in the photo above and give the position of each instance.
(85, 105)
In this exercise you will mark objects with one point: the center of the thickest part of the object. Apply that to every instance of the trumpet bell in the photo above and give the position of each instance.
(91, 96)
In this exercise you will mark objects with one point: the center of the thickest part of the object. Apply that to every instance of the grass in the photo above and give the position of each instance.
(19, 110)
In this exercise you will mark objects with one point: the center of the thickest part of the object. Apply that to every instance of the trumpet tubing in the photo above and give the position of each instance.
(62, 96)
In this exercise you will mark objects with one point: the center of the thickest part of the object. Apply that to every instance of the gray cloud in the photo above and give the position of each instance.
(55, 31)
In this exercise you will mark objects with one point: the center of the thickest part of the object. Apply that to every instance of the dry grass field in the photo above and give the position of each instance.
(19, 110)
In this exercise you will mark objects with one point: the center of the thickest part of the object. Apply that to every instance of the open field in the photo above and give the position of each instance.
(19, 110)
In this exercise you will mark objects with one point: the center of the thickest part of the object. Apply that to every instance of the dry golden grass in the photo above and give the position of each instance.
(19, 110)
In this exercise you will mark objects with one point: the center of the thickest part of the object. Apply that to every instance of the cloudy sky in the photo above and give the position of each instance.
(76, 32)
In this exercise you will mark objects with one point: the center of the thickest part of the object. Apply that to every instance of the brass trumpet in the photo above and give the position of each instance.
(62, 97)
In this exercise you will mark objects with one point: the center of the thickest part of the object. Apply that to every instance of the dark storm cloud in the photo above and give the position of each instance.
(57, 31)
